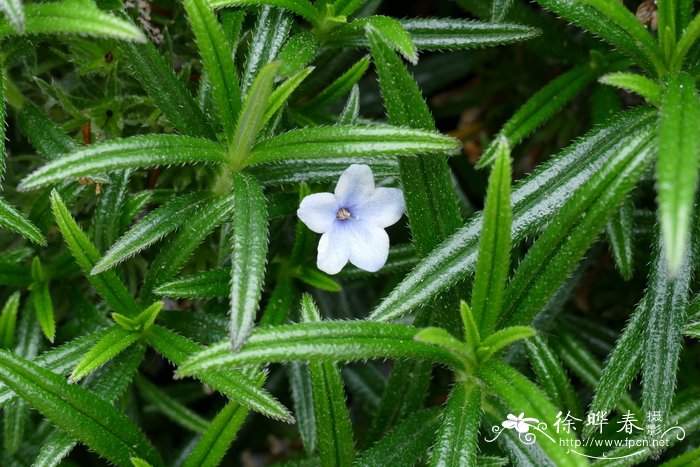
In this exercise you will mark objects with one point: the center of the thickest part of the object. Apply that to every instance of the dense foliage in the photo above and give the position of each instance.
(161, 301)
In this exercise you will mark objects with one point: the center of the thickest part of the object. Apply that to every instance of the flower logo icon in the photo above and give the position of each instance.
(520, 423)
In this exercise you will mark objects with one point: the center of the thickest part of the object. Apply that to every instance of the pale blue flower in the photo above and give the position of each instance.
(352, 221)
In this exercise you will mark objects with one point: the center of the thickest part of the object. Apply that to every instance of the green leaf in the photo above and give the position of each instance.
(620, 231)
(15, 417)
(616, 25)
(231, 383)
(43, 306)
(297, 53)
(300, 385)
(70, 17)
(14, 12)
(302, 8)
(499, 10)
(406, 443)
(269, 36)
(351, 111)
(542, 106)
(48, 139)
(205, 284)
(686, 43)
(667, 11)
(168, 93)
(500, 339)
(677, 165)
(551, 375)
(334, 435)
(107, 284)
(4, 4)
(115, 341)
(663, 338)
(106, 221)
(493, 264)
(249, 239)
(14, 221)
(215, 52)
(154, 226)
(252, 113)
(391, 30)
(460, 34)
(472, 337)
(338, 88)
(293, 171)
(8, 321)
(315, 278)
(457, 440)
(340, 341)
(347, 141)
(280, 95)
(533, 201)
(142, 321)
(564, 242)
(623, 364)
(176, 252)
(219, 435)
(78, 412)
(521, 395)
(170, 407)
(134, 152)
(635, 83)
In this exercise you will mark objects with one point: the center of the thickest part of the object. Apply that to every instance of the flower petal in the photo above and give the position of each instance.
(510, 424)
(318, 211)
(383, 208)
(369, 246)
(333, 250)
(355, 186)
(522, 427)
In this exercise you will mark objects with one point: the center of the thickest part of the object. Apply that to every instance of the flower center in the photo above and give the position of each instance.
(343, 214)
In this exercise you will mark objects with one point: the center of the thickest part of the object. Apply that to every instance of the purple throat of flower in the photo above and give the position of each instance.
(343, 214)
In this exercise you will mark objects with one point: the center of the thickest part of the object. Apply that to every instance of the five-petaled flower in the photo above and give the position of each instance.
(352, 221)
(520, 423)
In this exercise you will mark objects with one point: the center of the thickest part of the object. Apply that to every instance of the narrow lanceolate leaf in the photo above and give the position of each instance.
(534, 201)
(215, 52)
(624, 362)
(135, 152)
(668, 27)
(106, 221)
(217, 438)
(8, 321)
(205, 284)
(338, 88)
(677, 165)
(173, 255)
(348, 141)
(620, 231)
(69, 17)
(43, 306)
(115, 341)
(551, 375)
(231, 383)
(459, 34)
(3, 107)
(583, 216)
(319, 170)
(406, 443)
(663, 338)
(685, 44)
(251, 119)
(302, 8)
(14, 12)
(248, 255)
(107, 284)
(635, 83)
(300, 385)
(458, 438)
(336, 443)
(14, 221)
(494, 247)
(499, 10)
(341, 341)
(168, 93)
(269, 36)
(616, 25)
(391, 30)
(541, 107)
(170, 407)
(501, 339)
(150, 229)
(522, 396)
(77, 411)
(46, 137)
(280, 95)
